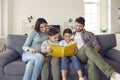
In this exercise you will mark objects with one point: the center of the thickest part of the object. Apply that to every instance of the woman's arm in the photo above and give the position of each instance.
(28, 42)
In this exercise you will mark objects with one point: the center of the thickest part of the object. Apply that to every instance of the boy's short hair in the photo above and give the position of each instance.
(52, 32)
(80, 20)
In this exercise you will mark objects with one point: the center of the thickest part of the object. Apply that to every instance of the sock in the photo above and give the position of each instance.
(117, 76)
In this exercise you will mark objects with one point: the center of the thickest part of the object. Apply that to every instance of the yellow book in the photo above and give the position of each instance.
(61, 51)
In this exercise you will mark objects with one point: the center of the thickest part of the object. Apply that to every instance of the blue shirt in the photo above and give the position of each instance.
(34, 40)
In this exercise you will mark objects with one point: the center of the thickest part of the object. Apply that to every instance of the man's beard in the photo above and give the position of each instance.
(78, 30)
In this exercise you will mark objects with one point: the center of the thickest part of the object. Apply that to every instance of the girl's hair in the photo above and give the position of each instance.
(52, 32)
(38, 23)
(67, 31)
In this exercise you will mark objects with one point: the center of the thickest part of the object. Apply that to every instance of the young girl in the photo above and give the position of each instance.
(53, 35)
(64, 60)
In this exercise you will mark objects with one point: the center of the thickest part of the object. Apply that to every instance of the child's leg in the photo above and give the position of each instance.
(77, 66)
(64, 67)
(55, 65)
(80, 73)
(64, 74)
(45, 69)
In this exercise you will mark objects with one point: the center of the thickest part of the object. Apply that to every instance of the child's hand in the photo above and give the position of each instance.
(76, 50)
(49, 50)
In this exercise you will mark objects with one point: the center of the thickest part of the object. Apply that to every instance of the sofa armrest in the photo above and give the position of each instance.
(8, 56)
(114, 55)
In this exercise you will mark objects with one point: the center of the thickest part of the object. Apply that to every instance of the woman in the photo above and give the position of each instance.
(31, 47)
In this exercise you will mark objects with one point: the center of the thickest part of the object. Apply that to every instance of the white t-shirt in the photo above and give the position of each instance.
(78, 39)
(46, 44)
(64, 43)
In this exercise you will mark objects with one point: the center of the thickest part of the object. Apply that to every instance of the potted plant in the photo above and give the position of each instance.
(103, 30)
(30, 18)
(70, 20)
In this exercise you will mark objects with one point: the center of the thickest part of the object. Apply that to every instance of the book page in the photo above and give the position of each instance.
(70, 50)
(58, 51)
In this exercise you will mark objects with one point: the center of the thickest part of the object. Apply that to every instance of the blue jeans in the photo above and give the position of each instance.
(75, 62)
(33, 66)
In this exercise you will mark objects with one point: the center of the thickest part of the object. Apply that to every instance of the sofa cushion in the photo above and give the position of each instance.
(115, 65)
(16, 42)
(106, 41)
(118, 41)
(71, 70)
(15, 68)
(114, 55)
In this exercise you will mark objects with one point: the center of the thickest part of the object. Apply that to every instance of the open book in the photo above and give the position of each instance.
(61, 51)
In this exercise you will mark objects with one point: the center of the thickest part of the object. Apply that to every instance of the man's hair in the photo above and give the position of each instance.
(80, 20)
(52, 32)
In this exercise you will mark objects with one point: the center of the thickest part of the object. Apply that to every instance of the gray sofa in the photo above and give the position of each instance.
(12, 67)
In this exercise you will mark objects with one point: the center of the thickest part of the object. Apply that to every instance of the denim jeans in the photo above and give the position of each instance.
(75, 62)
(33, 65)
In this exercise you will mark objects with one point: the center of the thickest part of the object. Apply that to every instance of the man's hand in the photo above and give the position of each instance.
(97, 49)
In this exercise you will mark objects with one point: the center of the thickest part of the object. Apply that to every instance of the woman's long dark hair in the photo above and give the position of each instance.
(38, 23)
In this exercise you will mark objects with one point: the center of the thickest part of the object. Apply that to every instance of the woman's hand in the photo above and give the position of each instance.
(33, 50)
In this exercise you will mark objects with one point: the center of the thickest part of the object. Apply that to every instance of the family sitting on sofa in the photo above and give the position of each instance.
(36, 53)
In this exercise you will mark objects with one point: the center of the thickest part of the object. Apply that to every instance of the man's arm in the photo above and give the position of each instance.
(94, 42)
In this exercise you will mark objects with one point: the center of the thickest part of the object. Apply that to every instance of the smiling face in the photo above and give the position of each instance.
(67, 37)
(54, 38)
(43, 27)
(79, 27)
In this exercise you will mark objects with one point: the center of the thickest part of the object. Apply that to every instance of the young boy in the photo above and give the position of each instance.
(53, 35)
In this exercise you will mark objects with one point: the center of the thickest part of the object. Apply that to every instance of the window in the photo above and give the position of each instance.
(91, 15)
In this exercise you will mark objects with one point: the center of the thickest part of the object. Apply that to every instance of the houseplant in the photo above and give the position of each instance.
(30, 18)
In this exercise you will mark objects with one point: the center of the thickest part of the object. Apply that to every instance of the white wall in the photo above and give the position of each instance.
(0, 17)
(54, 11)
(115, 26)
(4, 17)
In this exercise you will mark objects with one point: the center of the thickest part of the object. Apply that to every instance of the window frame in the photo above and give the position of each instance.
(98, 16)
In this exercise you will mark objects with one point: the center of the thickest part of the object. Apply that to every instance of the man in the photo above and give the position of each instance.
(88, 49)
